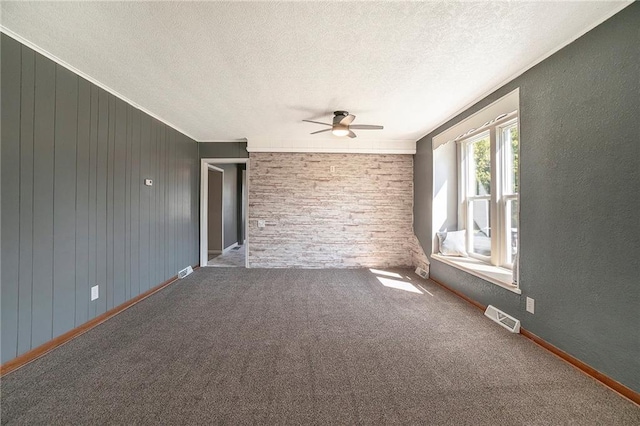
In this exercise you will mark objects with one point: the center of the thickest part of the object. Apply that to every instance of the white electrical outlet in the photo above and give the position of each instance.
(94, 292)
(333, 169)
(261, 223)
(531, 305)
(148, 182)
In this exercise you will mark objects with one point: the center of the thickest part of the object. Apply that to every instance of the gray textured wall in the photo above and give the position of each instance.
(357, 216)
(214, 211)
(75, 212)
(230, 203)
(222, 150)
(580, 198)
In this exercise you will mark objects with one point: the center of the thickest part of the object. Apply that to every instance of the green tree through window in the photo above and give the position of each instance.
(515, 149)
(482, 157)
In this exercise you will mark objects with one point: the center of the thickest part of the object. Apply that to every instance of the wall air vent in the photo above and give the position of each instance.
(422, 272)
(505, 320)
(186, 271)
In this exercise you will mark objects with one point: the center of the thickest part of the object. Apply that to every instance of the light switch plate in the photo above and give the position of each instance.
(531, 305)
(261, 223)
(94, 292)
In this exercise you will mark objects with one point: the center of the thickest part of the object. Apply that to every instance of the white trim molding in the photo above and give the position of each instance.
(490, 273)
(503, 108)
(231, 247)
(205, 165)
(335, 146)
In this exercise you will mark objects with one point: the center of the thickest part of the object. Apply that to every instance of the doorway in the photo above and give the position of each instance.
(215, 212)
(223, 212)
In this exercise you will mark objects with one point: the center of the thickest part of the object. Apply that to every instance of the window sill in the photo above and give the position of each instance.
(493, 274)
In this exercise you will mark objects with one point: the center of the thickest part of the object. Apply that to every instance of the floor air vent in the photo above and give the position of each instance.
(186, 271)
(507, 321)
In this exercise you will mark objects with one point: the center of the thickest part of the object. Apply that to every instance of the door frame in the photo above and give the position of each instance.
(205, 163)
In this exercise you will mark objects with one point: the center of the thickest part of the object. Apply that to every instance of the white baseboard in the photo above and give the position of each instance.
(230, 247)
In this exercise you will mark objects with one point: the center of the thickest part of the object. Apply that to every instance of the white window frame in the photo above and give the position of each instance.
(498, 199)
(466, 177)
(506, 196)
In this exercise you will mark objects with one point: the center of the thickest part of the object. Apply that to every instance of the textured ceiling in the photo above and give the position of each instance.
(231, 70)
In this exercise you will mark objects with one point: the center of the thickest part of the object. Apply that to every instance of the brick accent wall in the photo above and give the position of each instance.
(360, 215)
(418, 257)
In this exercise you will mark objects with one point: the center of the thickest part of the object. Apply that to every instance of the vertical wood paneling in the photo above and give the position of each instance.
(181, 244)
(145, 203)
(82, 202)
(10, 84)
(191, 243)
(186, 218)
(195, 231)
(171, 204)
(26, 199)
(93, 191)
(174, 201)
(154, 231)
(102, 190)
(158, 249)
(127, 203)
(135, 183)
(64, 202)
(75, 211)
(119, 207)
(43, 145)
(160, 260)
(110, 203)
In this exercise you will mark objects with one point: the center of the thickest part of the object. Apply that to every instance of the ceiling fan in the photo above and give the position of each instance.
(342, 125)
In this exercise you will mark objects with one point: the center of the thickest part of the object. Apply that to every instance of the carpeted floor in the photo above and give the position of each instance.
(255, 346)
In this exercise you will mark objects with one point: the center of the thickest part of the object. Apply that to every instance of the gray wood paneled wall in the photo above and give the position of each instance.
(75, 211)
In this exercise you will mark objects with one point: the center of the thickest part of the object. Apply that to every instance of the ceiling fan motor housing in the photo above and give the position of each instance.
(338, 116)
(342, 126)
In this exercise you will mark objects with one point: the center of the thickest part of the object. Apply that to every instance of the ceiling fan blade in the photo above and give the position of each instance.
(366, 127)
(320, 131)
(317, 122)
(351, 134)
(348, 119)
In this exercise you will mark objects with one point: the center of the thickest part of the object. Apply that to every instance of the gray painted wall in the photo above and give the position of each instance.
(580, 198)
(242, 208)
(214, 211)
(75, 212)
(230, 203)
(222, 150)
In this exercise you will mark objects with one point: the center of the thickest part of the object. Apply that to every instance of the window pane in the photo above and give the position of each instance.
(512, 147)
(512, 230)
(481, 166)
(481, 227)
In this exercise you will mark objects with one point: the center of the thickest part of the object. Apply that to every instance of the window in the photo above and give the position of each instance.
(488, 177)
(475, 188)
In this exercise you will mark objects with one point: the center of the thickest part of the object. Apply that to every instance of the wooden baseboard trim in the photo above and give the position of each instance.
(45, 348)
(460, 295)
(614, 385)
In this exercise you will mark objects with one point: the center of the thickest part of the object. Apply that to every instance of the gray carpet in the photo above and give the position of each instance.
(252, 346)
